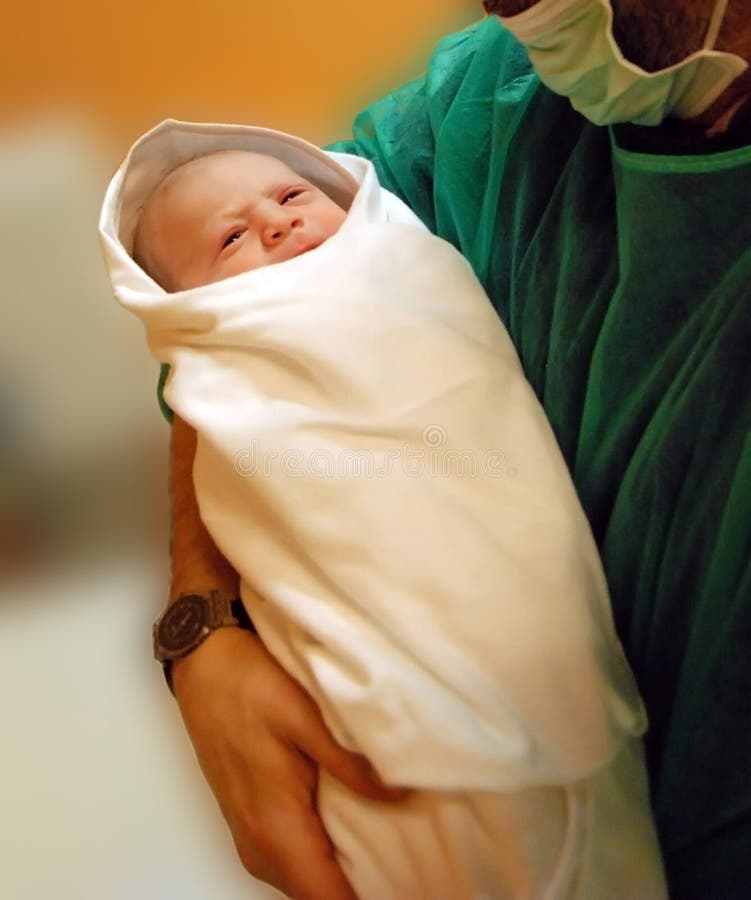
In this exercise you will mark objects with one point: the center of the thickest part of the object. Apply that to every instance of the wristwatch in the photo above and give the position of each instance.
(189, 620)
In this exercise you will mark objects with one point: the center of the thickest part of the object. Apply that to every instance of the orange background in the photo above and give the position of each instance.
(302, 67)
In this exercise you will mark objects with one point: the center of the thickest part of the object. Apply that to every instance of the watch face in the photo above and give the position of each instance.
(183, 623)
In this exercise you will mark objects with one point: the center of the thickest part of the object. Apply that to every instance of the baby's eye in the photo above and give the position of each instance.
(290, 195)
(235, 236)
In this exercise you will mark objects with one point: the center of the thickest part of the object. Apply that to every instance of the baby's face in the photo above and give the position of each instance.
(227, 213)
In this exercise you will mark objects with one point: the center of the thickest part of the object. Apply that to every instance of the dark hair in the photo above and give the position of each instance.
(655, 34)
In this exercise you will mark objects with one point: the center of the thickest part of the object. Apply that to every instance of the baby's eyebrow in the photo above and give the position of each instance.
(228, 215)
(223, 218)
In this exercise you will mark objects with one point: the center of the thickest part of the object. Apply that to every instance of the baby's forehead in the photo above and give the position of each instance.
(205, 179)
(226, 161)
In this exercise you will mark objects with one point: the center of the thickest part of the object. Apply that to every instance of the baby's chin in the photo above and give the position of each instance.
(296, 250)
(306, 248)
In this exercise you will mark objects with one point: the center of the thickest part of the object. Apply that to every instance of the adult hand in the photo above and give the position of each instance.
(260, 739)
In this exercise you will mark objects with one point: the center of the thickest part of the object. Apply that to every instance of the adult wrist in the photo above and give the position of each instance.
(206, 667)
(189, 620)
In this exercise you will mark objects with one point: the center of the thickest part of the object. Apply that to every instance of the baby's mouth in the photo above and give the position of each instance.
(306, 248)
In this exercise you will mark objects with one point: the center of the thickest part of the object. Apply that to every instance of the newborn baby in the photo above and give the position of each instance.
(226, 213)
(373, 463)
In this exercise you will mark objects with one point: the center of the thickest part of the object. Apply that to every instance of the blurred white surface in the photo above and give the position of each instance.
(102, 798)
(76, 366)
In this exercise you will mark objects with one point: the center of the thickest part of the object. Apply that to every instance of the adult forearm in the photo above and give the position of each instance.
(197, 564)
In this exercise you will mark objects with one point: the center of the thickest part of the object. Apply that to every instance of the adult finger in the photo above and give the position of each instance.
(288, 847)
(313, 737)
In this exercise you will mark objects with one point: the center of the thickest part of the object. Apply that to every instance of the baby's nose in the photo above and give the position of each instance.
(278, 226)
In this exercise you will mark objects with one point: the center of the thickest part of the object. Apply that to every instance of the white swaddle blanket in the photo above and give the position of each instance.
(374, 464)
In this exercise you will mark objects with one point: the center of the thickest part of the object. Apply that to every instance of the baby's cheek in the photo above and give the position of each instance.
(338, 219)
(244, 260)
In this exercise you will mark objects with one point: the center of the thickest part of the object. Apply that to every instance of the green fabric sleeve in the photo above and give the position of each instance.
(166, 411)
